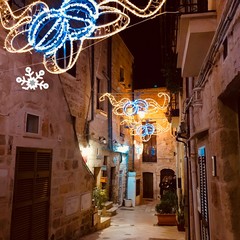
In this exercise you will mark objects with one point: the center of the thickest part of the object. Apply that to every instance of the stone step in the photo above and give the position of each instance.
(104, 223)
(112, 211)
(108, 205)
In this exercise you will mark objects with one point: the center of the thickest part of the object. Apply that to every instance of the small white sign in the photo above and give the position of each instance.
(86, 201)
(72, 205)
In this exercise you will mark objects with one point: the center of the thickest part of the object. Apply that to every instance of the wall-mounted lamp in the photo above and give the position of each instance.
(102, 140)
(214, 170)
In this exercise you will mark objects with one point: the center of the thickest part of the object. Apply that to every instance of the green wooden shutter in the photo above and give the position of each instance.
(203, 194)
(30, 212)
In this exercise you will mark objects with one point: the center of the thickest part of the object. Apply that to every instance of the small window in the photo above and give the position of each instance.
(225, 48)
(32, 124)
(101, 88)
(121, 79)
(150, 150)
(122, 128)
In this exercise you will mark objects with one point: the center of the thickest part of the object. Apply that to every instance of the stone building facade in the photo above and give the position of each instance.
(46, 188)
(208, 47)
(109, 70)
(158, 154)
(57, 144)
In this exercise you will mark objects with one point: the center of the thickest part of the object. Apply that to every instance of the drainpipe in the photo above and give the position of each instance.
(193, 168)
(91, 99)
(109, 78)
(92, 82)
(186, 173)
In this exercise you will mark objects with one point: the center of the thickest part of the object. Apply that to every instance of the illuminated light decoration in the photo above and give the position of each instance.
(32, 81)
(121, 148)
(138, 148)
(50, 30)
(145, 131)
(74, 20)
(126, 107)
(15, 41)
(131, 108)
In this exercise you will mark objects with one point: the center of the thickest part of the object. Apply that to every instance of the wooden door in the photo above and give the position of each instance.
(31, 198)
(147, 185)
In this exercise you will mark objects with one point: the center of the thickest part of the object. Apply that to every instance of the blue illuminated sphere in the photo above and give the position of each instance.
(133, 107)
(144, 130)
(50, 29)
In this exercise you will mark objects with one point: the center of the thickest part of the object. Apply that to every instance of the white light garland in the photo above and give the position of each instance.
(126, 107)
(48, 30)
(134, 112)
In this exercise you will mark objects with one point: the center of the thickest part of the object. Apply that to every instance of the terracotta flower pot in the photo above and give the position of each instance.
(166, 219)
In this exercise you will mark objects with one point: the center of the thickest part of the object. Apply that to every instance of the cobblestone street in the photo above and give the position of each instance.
(137, 223)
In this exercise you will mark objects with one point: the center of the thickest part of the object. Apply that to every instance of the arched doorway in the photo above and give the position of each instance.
(167, 180)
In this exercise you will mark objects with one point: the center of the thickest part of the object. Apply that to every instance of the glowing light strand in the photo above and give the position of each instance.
(76, 20)
(126, 107)
(145, 130)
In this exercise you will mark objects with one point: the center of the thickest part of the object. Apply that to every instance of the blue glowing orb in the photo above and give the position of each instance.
(50, 29)
(145, 130)
(131, 108)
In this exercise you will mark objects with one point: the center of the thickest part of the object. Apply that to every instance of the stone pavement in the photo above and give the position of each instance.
(138, 223)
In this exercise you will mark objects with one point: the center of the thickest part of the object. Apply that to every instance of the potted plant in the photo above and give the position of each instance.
(166, 209)
(100, 196)
(180, 217)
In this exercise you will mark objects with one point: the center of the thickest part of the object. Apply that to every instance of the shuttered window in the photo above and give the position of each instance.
(150, 150)
(203, 194)
(30, 212)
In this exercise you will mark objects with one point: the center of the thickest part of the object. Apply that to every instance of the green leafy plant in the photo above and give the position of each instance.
(167, 204)
(100, 196)
(180, 213)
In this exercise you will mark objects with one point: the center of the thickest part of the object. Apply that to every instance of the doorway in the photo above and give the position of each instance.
(167, 181)
(31, 194)
(147, 185)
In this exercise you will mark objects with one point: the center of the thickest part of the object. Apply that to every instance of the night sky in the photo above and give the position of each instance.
(143, 40)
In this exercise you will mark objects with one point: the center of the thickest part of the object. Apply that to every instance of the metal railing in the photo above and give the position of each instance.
(193, 6)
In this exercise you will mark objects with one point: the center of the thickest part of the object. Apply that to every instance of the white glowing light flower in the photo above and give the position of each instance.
(31, 80)
(51, 31)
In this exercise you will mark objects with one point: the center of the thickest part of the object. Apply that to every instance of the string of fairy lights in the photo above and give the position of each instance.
(55, 32)
(52, 31)
(89, 44)
(134, 112)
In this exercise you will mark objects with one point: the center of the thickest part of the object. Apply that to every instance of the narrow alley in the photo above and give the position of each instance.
(136, 223)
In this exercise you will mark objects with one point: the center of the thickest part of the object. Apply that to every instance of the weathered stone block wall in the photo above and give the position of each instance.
(166, 143)
(219, 114)
(70, 177)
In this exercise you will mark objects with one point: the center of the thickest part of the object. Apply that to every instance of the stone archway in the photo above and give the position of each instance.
(167, 180)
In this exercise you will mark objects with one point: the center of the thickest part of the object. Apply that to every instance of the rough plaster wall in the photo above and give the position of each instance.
(166, 143)
(220, 116)
(122, 58)
(69, 176)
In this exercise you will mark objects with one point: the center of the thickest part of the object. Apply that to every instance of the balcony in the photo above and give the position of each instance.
(197, 25)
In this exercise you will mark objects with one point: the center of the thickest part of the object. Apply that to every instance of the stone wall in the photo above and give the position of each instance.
(70, 179)
(218, 117)
(166, 143)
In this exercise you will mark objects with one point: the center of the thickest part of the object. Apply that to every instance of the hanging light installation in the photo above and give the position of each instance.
(147, 129)
(50, 31)
(134, 112)
(127, 107)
